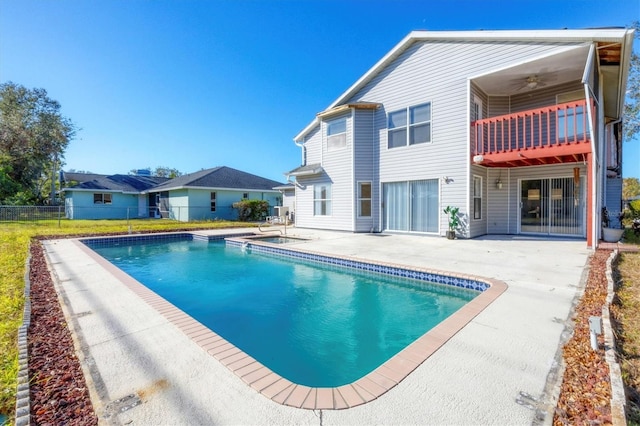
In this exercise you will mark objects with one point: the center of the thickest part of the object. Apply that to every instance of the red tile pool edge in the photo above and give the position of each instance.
(285, 392)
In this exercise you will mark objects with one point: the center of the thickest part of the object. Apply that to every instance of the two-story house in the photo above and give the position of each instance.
(519, 129)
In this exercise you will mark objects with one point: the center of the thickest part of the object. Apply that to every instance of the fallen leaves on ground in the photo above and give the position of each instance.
(585, 394)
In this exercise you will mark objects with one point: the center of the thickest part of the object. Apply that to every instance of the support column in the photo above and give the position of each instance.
(590, 202)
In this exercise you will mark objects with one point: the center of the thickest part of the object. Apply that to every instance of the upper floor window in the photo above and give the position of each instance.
(101, 198)
(410, 126)
(337, 134)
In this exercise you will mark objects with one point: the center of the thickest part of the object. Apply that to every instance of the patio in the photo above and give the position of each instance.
(491, 372)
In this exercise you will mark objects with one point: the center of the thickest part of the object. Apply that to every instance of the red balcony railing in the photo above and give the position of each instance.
(560, 125)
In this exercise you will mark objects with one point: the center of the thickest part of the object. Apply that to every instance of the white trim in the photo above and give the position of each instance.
(558, 51)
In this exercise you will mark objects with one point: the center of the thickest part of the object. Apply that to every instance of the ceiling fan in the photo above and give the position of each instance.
(532, 82)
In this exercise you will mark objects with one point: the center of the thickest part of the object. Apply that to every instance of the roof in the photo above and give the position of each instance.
(601, 36)
(80, 177)
(307, 170)
(118, 183)
(219, 178)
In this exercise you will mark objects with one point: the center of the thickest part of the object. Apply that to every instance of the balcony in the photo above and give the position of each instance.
(548, 135)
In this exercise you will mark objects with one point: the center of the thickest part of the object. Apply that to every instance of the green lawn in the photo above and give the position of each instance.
(14, 250)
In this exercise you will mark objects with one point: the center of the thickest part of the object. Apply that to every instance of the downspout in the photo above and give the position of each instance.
(594, 155)
(354, 188)
(375, 170)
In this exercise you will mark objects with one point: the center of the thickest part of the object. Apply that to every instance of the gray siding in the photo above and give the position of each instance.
(437, 72)
(613, 198)
(478, 227)
(543, 97)
(338, 167)
(498, 105)
(365, 159)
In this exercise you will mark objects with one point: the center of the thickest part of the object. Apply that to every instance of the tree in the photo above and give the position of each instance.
(167, 172)
(632, 101)
(630, 188)
(33, 138)
(159, 171)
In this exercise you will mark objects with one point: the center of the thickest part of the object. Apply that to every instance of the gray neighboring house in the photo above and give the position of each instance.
(109, 196)
(519, 129)
(209, 194)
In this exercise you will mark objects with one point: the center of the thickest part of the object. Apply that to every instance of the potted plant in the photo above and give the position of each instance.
(454, 221)
(611, 234)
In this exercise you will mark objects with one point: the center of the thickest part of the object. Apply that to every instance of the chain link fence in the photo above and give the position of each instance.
(180, 213)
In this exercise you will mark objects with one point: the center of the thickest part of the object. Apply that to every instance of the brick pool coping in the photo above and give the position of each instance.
(285, 392)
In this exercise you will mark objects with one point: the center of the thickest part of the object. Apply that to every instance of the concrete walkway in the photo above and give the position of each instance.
(144, 370)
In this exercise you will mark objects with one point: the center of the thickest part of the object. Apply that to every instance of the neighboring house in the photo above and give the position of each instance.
(519, 129)
(209, 194)
(109, 197)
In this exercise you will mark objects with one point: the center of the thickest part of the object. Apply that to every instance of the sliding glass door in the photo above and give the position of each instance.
(411, 206)
(552, 206)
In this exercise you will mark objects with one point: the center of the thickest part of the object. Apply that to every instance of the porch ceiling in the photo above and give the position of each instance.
(549, 71)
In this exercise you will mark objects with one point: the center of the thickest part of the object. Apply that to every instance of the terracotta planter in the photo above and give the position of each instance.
(612, 235)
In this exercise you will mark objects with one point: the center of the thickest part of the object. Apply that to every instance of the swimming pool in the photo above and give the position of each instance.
(314, 324)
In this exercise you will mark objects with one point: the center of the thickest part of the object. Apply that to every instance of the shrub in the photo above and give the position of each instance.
(251, 210)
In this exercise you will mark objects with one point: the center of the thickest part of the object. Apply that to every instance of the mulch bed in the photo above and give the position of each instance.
(586, 388)
(59, 393)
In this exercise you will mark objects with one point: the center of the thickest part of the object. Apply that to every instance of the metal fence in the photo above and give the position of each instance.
(30, 213)
(180, 213)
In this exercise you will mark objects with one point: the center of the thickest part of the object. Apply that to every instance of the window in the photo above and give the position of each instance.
(322, 200)
(571, 123)
(213, 201)
(364, 199)
(477, 197)
(409, 126)
(476, 109)
(337, 134)
(245, 196)
(101, 198)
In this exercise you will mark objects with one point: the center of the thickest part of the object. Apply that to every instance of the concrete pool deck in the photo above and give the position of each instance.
(143, 369)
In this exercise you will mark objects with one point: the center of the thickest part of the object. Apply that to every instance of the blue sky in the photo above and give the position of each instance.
(196, 84)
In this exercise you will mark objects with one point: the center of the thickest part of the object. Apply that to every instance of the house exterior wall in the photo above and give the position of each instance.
(365, 167)
(613, 199)
(80, 205)
(440, 73)
(191, 204)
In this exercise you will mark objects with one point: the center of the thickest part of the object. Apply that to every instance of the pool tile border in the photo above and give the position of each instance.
(273, 386)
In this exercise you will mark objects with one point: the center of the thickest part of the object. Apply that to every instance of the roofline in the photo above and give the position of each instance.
(620, 35)
(208, 188)
(100, 190)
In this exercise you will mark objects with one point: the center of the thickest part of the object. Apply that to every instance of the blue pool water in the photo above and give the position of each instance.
(316, 325)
